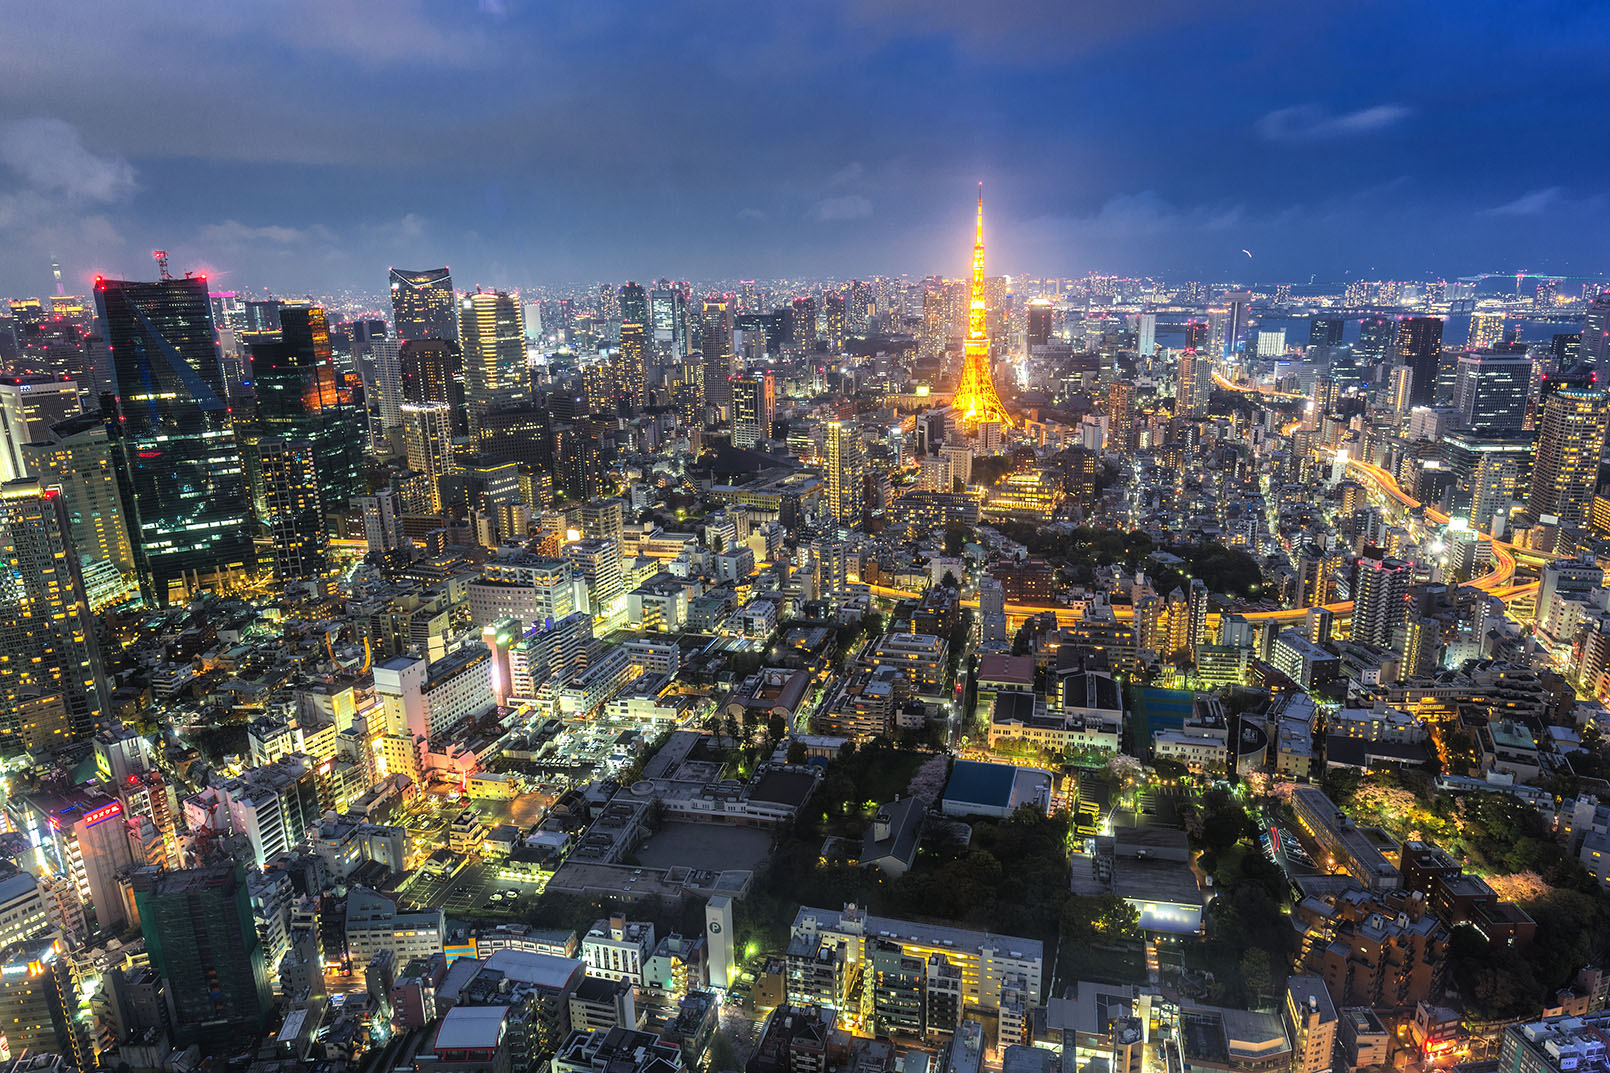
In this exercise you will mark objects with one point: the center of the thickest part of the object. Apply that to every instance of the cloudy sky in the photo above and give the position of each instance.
(305, 145)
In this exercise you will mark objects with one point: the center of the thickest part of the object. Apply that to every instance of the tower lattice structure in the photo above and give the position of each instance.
(976, 401)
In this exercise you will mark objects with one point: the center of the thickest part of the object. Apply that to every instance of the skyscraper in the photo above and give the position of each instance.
(47, 633)
(1595, 345)
(428, 444)
(668, 319)
(74, 458)
(976, 401)
(1146, 335)
(29, 404)
(1376, 335)
(1491, 390)
(179, 464)
(634, 304)
(1040, 314)
(1486, 330)
(1121, 414)
(846, 474)
(296, 519)
(802, 325)
(300, 398)
(433, 371)
(754, 400)
(202, 942)
(1380, 591)
(833, 320)
(422, 305)
(1570, 440)
(1325, 331)
(716, 341)
(1419, 346)
(492, 331)
(631, 384)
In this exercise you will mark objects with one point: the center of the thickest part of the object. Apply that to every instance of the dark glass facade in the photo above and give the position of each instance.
(301, 397)
(422, 305)
(178, 461)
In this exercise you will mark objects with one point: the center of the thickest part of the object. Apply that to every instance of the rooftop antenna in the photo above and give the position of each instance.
(162, 264)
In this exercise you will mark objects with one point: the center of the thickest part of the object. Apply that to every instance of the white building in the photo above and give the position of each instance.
(374, 924)
(616, 948)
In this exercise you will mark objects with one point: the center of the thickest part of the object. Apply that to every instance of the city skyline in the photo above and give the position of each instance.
(524, 145)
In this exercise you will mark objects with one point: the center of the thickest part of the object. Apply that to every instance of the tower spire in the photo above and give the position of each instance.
(976, 399)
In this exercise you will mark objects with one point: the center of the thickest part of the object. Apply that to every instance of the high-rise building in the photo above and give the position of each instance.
(74, 458)
(179, 465)
(433, 371)
(48, 646)
(846, 474)
(428, 444)
(1486, 331)
(38, 1003)
(1325, 331)
(632, 383)
(292, 493)
(802, 325)
(422, 305)
(668, 323)
(202, 941)
(1121, 415)
(492, 332)
(1419, 346)
(1595, 344)
(1570, 442)
(300, 397)
(29, 404)
(1146, 335)
(1376, 336)
(833, 321)
(976, 401)
(634, 304)
(754, 401)
(716, 340)
(387, 356)
(1491, 390)
(1041, 312)
(1380, 592)
(1195, 385)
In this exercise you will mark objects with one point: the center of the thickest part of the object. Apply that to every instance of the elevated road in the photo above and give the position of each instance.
(1257, 389)
(1497, 581)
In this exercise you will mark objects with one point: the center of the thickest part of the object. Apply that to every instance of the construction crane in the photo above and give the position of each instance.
(162, 264)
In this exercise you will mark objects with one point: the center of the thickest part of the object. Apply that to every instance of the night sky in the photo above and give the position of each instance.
(305, 145)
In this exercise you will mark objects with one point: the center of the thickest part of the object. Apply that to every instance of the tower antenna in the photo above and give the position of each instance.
(162, 264)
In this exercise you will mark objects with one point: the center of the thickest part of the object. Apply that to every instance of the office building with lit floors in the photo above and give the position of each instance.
(846, 474)
(423, 305)
(492, 334)
(1570, 442)
(1419, 348)
(1311, 1022)
(830, 963)
(79, 838)
(39, 1002)
(295, 516)
(301, 397)
(202, 941)
(754, 401)
(74, 458)
(47, 633)
(179, 465)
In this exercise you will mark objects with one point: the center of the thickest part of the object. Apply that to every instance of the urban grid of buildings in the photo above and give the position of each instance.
(663, 677)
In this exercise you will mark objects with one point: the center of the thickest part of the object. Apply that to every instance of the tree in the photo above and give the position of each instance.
(1256, 973)
(956, 537)
(796, 752)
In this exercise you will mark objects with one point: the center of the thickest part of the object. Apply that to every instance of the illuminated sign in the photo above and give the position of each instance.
(102, 814)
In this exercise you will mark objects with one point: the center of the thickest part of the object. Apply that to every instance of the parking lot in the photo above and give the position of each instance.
(470, 893)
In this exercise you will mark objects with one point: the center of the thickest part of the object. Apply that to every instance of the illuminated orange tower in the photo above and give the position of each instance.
(976, 400)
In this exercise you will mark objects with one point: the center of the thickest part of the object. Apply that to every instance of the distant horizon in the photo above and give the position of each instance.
(302, 147)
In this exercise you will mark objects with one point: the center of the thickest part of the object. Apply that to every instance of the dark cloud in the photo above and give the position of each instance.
(302, 145)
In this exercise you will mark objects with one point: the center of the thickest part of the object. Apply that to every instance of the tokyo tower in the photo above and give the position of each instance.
(976, 400)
